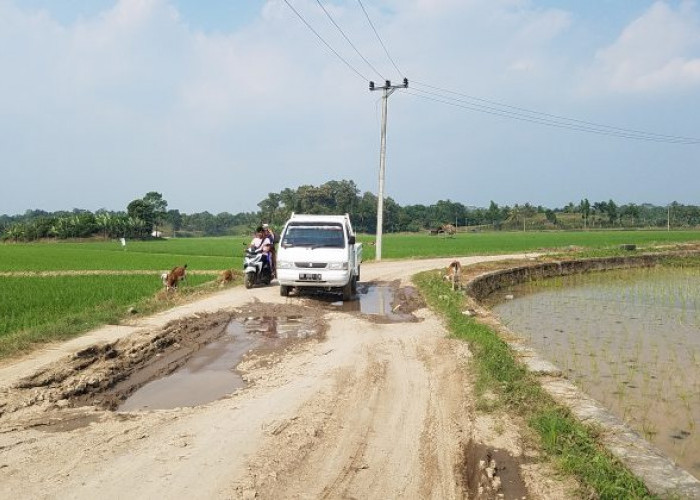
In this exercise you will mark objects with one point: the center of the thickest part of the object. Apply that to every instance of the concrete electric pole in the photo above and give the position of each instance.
(388, 89)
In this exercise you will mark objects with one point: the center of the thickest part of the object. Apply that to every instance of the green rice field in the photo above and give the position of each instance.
(227, 252)
(51, 307)
(401, 246)
(201, 253)
(34, 308)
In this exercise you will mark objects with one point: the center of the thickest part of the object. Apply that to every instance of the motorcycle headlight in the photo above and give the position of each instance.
(283, 264)
(337, 265)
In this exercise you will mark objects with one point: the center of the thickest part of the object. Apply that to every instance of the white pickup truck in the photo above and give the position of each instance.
(319, 252)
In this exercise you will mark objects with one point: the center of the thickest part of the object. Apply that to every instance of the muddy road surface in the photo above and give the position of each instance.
(246, 394)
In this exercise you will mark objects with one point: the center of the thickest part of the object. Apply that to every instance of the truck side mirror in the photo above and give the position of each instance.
(351, 240)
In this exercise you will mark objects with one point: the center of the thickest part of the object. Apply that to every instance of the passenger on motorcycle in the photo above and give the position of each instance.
(261, 243)
(267, 233)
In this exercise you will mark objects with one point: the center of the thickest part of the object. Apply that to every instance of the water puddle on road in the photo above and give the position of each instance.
(210, 373)
(382, 302)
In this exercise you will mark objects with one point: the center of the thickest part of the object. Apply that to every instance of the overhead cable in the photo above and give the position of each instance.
(348, 40)
(524, 112)
(325, 42)
(550, 122)
(379, 38)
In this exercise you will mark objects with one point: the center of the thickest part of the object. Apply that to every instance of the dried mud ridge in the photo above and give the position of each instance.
(103, 376)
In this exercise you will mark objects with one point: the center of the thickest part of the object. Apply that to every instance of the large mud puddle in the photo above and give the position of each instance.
(630, 339)
(210, 373)
(380, 302)
(189, 362)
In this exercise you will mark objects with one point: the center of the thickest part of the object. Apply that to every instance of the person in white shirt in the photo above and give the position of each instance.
(262, 243)
(259, 240)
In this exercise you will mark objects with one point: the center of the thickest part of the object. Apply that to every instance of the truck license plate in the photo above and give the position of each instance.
(309, 277)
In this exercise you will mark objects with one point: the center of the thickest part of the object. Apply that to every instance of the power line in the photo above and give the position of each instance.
(379, 38)
(539, 114)
(325, 42)
(550, 121)
(348, 40)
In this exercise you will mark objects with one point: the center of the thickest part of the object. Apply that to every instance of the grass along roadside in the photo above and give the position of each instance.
(38, 310)
(572, 445)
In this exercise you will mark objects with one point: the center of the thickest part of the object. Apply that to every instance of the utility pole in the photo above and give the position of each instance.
(388, 89)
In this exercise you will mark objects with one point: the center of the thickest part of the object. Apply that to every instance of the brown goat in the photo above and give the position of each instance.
(225, 277)
(177, 274)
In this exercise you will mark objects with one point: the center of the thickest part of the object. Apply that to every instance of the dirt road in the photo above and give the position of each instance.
(369, 409)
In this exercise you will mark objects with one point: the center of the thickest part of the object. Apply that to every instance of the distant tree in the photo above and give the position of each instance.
(366, 213)
(611, 210)
(551, 216)
(174, 218)
(104, 222)
(631, 212)
(141, 210)
(585, 209)
(158, 205)
(269, 207)
(494, 214)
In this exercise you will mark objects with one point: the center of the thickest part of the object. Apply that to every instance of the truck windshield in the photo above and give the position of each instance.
(314, 235)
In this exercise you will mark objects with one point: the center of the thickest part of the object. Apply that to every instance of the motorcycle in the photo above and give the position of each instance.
(256, 268)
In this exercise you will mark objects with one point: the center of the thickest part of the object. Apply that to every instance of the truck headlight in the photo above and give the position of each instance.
(337, 265)
(283, 264)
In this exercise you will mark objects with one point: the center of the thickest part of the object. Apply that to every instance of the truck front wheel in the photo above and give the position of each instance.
(284, 290)
(347, 291)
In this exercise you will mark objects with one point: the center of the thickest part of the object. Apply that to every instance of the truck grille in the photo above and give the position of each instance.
(311, 265)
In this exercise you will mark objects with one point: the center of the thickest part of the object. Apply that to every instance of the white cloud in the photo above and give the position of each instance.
(658, 51)
(136, 99)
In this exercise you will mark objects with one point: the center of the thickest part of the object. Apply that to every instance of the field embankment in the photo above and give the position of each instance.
(658, 472)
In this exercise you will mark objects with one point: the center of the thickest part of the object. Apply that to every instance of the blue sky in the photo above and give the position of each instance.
(215, 104)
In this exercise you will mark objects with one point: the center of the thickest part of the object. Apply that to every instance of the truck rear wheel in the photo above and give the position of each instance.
(354, 285)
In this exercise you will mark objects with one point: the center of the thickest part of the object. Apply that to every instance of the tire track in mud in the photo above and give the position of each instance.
(369, 442)
(355, 463)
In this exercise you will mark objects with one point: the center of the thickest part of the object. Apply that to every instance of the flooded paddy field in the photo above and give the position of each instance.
(630, 339)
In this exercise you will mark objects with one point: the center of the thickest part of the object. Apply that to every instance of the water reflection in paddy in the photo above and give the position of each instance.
(631, 339)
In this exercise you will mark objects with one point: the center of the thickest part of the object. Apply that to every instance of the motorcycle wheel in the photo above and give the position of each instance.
(249, 280)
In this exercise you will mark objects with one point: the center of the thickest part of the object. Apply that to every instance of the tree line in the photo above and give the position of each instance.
(150, 217)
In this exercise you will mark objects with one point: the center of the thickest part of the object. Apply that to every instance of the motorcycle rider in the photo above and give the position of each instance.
(267, 233)
(261, 243)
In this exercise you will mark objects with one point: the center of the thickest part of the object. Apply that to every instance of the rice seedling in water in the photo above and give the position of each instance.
(639, 339)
